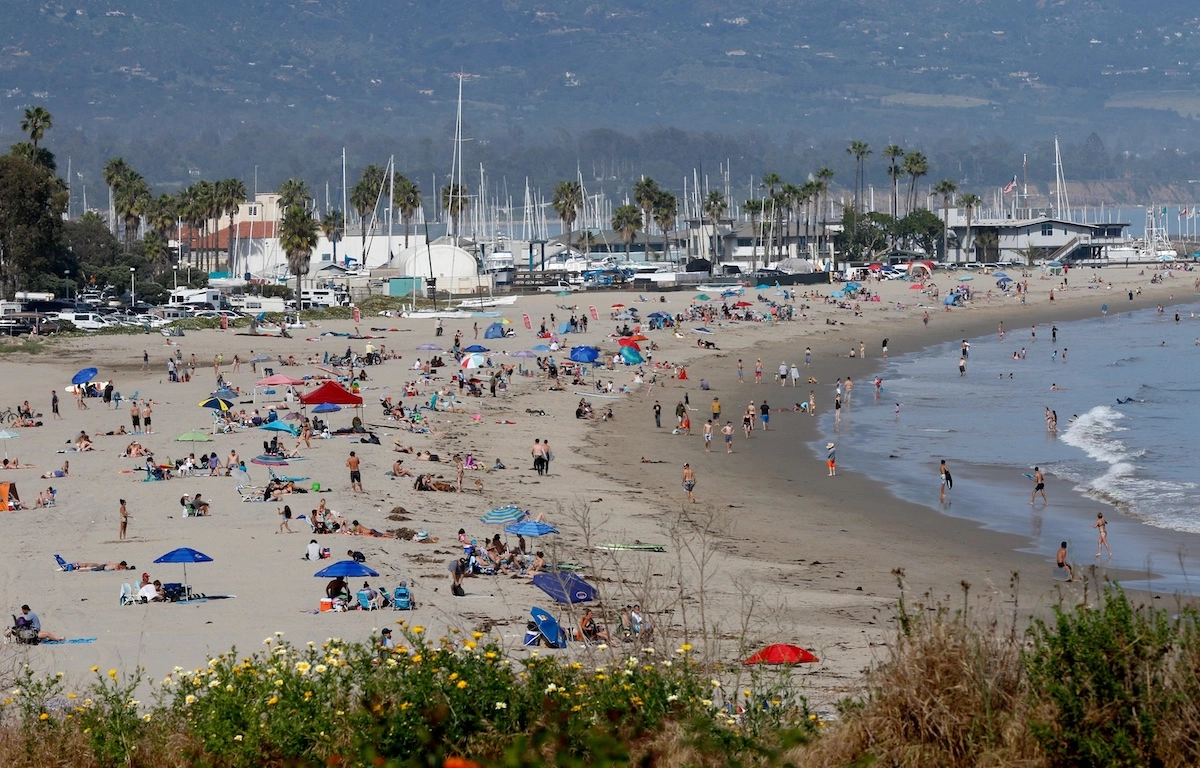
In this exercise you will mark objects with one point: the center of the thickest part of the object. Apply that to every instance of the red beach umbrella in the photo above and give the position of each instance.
(628, 342)
(916, 287)
(781, 653)
(743, 304)
(618, 306)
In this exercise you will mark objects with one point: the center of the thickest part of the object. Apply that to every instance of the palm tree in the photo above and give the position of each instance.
(645, 192)
(566, 201)
(810, 196)
(406, 196)
(755, 209)
(715, 206)
(293, 192)
(987, 241)
(205, 211)
(587, 241)
(132, 199)
(769, 182)
(824, 176)
(364, 198)
(891, 152)
(861, 151)
(156, 250)
(969, 201)
(35, 124)
(946, 189)
(455, 201)
(116, 170)
(333, 226)
(627, 220)
(666, 208)
(297, 238)
(161, 215)
(231, 193)
(915, 165)
(794, 202)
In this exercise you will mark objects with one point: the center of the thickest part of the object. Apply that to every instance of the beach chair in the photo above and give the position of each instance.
(402, 598)
(63, 565)
(365, 602)
(53, 500)
(128, 597)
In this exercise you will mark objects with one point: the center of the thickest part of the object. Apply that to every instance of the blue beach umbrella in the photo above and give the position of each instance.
(345, 568)
(524, 353)
(542, 348)
(427, 347)
(703, 330)
(762, 287)
(631, 356)
(184, 555)
(327, 408)
(278, 426)
(584, 354)
(999, 275)
(216, 403)
(565, 587)
(476, 348)
(530, 528)
(84, 376)
(504, 515)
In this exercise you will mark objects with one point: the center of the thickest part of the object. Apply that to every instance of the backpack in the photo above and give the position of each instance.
(457, 590)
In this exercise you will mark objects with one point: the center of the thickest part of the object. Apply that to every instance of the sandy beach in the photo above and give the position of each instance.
(772, 550)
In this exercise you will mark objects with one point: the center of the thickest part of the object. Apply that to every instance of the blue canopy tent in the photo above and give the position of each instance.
(565, 587)
(584, 354)
(494, 331)
(564, 327)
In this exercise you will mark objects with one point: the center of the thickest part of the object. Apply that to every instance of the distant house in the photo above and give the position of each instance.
(1044, 237)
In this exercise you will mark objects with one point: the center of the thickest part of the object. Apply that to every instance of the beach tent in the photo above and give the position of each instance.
(565, 587)
(631, 356)
(476, 348)
(331, 392)
(494, 331)
(953, 299)
(8, 497)
(564, 327)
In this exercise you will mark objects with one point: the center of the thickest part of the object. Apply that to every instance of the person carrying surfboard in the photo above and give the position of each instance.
(1039, 486)
(946, 479)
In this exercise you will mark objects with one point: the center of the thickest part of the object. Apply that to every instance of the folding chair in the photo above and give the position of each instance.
(402, 598)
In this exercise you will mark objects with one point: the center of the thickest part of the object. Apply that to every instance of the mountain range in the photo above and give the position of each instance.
(798, 72)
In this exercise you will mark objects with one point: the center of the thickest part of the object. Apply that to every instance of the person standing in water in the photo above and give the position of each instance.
(1101, 526)
(944, 474)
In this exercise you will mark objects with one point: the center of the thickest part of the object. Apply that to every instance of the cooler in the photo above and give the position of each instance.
(326, 604)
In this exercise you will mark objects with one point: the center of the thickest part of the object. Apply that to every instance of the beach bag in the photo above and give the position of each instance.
(27, 636)
(457, 590)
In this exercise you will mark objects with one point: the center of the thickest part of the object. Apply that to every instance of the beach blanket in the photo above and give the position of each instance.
(70, 641)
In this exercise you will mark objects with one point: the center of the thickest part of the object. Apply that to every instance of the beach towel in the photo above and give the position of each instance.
(70, 641)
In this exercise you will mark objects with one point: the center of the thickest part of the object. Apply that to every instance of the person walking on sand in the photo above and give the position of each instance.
(54, 404)
(764, 411)
(145, 360)
(885, 345)
(657, 415)
(708, 432)
(285, 517)
(689, 482)
(1061, 561)
(716, 410)
(458, 471)
(758, 369)
(812, 403)
(962, 366)
(741, 374)
(147, 412)
(783, 373)
(135, 418)
(1101, 526)
(123, 512)
(794, 373)
(1039, 486)
(831, 458)
(355, 473)
(727, 431)
(808, 357)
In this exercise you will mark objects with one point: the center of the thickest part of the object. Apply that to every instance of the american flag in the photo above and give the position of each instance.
(1011, 185)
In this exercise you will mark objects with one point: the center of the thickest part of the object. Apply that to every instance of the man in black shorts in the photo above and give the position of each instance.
(1039, 486)
(1061, 561)
(355, 473)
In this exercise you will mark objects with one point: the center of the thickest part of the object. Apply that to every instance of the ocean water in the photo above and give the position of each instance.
(1140, 459)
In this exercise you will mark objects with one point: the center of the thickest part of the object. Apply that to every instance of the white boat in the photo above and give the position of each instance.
(445, 314)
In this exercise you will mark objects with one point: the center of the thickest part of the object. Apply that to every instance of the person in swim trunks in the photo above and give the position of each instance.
(689, 481)
(1039, 486)
(1061, 561)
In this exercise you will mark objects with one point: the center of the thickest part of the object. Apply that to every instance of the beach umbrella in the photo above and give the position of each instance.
(584, 354)
(6, 435)
(702, 297)
(505, 321)
(743, 304)
(293, 416)
(762, 287)
(618, 306)
(1004, 280)
(184, 555)
(524, 353)
(563, 293)
(660, 314)
(966, 278)
(345, 568)
(638, 337)
(278, 426)
(474, 361)
(269, 461)
(915, 287)
(703, 330)
(427, 347)
(216, 403)
(999, 274)
(261, 359)
(542, 348)
(631, 356)
(782, 653)
(565, 587)
(530, 528)
(476, 348)
(193, 436)
(84, 376)
(627, 342)
(327, 408)
(504, 515)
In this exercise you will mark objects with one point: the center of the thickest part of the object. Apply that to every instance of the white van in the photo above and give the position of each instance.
(85, 321)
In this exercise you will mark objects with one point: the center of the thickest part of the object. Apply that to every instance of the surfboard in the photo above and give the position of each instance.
(949, 481)
(633, 547)
(1029, 475)
(546, 624)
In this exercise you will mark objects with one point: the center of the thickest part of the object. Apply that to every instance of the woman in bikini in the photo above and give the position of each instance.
(1101, 526)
